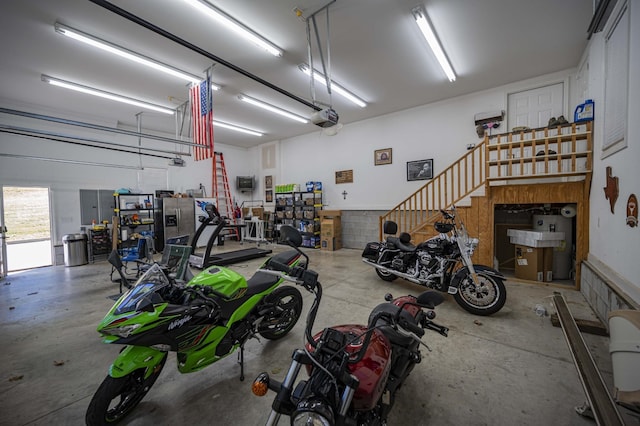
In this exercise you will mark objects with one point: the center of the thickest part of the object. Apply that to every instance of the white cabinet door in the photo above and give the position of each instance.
(534, 108)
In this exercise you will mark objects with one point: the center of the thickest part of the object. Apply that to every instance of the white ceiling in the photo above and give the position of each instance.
(376, 51)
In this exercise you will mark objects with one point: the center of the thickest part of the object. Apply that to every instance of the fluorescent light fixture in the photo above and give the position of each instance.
(107, 95)
(272, 108)
(320, 78)
(423, 23)
(236, 128)
(127, 54)
(235, 26)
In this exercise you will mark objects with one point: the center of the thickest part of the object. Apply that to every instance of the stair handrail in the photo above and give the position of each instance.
(446, 189)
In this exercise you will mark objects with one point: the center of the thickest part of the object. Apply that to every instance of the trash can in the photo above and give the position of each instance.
(75, 249)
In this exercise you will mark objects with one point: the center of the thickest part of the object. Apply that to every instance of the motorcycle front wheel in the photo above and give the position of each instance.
(117, 397)
(286, 308)
(487, 298)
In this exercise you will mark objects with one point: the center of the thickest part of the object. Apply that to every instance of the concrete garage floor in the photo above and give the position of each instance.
(513, 368)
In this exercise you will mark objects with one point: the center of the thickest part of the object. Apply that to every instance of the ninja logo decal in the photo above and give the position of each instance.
(179, 323)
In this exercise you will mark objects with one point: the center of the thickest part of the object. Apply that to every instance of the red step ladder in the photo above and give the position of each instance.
(222, 193)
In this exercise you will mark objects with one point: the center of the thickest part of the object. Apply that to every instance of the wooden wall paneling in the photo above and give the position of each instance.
(563, 192)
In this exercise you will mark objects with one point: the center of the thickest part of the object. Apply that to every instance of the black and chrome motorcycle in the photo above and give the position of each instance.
(442, 263)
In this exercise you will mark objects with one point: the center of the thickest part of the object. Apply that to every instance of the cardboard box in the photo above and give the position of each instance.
(329, 228)
(529, 263)
(330, 244)
(330, 214)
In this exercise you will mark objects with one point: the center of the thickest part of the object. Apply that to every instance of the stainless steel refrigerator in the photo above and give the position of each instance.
(177, 216)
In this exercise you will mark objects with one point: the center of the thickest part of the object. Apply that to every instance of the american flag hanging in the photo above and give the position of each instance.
(202, 119)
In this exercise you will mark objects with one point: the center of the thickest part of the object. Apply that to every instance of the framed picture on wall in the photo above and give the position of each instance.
(420, 170)
(268, 182)
(382, 156)
(268, 195)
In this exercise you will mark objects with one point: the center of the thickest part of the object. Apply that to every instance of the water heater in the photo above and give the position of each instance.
(563, 254)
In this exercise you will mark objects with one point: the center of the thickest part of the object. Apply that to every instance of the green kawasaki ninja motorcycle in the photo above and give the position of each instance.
(204, 320)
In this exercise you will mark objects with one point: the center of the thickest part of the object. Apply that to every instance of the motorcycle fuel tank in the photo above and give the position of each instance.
(372, 370)
(223, 280)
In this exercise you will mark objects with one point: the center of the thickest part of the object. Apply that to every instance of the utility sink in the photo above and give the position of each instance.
(532, 238)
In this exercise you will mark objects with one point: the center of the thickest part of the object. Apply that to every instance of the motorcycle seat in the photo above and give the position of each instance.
(261, 281)
(403, 242)
(394, 337)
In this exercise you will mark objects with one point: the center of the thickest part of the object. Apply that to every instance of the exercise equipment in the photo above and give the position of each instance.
(207, 259)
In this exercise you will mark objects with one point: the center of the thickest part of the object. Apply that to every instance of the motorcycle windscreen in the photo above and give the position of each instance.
(147, 287)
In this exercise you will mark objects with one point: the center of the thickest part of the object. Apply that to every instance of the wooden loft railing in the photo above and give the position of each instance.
(532, 154)
(456, 182)
(559, 151)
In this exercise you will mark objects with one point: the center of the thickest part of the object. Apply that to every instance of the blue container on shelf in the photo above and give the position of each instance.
(584, 112)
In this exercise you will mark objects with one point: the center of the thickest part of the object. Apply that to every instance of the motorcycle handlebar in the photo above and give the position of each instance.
(441, 329)
(414, 328)
(446, 214)
(300, 275)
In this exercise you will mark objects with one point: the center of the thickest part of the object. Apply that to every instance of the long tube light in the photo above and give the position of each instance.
(320, 78)
(127, 54)
(103, 94)
(423, 23)
(235, 26)
(272, 108)
(236, 128)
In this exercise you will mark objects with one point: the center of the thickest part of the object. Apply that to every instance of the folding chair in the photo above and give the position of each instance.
(175, 260)
(136, 254)
(116, 262)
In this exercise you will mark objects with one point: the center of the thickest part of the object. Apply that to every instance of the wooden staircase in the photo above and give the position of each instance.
(543, 165)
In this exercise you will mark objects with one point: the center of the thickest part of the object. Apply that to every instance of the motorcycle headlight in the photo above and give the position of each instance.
(312, 413)
(123, 331)
(472, 244)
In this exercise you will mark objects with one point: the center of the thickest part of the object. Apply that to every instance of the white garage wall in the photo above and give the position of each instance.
(440, 131)
(66, 179)
(613, 244)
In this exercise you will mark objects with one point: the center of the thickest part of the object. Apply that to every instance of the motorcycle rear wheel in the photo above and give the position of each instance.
(387, 276)
(117, 397)
(487, 299)
(284, 315)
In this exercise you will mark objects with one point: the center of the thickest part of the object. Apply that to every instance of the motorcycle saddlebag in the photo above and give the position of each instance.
(371, 251)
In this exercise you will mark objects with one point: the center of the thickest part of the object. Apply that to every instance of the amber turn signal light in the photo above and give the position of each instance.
(260, 385)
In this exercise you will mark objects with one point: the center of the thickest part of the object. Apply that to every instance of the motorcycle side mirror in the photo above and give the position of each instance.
(430, 299)
(145, 305)
(290, 235)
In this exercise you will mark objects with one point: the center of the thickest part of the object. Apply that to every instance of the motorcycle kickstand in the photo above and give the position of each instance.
(241, 362)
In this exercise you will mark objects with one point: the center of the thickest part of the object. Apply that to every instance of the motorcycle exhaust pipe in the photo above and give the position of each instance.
(413, 279)
(407, 277)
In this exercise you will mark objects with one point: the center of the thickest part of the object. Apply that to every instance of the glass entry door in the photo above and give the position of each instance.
(25, 220)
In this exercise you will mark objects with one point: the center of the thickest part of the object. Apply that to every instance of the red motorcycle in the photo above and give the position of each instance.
(354, 370)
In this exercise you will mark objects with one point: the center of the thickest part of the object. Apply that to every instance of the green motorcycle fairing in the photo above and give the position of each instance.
(151, 326)
(135, 357)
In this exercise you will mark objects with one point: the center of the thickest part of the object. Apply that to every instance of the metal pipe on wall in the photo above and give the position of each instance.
(93, 126)
(59, 137)
(60, 160)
